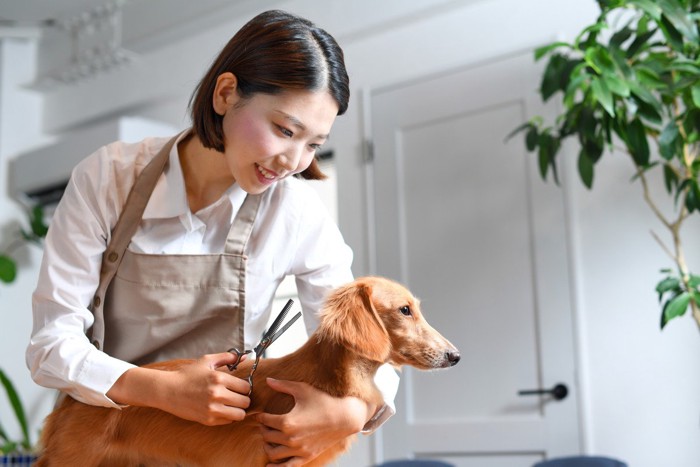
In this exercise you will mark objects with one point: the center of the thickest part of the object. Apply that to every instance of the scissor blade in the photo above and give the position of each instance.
(271, 337)
(286, 326)
(278, 321)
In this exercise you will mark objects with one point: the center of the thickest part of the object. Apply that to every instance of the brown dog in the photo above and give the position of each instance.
(364, 324)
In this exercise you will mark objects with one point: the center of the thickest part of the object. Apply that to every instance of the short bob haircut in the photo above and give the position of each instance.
(274, 52)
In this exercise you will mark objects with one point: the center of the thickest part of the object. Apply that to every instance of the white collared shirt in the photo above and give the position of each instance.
(292, 235)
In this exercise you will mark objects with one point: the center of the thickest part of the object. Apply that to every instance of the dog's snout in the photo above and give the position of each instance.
(452, 357)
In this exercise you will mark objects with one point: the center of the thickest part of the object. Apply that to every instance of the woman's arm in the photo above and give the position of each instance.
(59, 354)
(196, 391)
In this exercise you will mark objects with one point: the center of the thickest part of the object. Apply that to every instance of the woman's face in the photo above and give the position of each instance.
(270, 137)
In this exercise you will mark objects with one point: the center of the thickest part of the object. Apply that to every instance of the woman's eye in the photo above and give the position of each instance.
(315, 147)
(285, 131)
(406, 311)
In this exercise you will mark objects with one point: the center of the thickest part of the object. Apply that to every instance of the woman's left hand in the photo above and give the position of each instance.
(316, 422)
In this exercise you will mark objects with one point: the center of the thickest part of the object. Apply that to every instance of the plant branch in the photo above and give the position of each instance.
(649, 200)
(663, 246)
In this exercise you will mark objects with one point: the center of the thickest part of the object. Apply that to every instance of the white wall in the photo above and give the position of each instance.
(639, 384)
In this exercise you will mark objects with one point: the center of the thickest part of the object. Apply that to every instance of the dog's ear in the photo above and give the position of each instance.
(351, 319)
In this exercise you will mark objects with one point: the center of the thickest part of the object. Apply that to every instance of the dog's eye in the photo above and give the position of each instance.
(405, 310)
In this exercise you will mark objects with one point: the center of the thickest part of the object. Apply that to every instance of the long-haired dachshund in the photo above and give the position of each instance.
(364, 324)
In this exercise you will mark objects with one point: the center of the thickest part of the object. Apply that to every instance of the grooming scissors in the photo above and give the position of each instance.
(268, 338)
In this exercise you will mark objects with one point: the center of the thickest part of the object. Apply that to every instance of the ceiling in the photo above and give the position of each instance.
(142, 20)
(145, 24)
(27, 13)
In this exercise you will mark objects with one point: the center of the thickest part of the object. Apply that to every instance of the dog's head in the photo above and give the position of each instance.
(382, 321)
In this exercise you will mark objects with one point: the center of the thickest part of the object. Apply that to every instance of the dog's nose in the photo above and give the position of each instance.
(452, 357)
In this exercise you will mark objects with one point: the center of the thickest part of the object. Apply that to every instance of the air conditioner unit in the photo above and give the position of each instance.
(39, 177)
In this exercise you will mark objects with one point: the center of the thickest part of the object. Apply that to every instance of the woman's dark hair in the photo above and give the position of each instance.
(273, 52)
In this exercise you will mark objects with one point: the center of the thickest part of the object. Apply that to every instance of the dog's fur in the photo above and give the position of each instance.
(364, 324)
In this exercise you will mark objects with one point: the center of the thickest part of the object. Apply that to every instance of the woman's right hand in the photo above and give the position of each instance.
(196, 391)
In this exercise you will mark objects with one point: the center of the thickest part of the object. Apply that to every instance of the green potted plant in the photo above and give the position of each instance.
(37, 231)
(630, 83)
(15, 452)
(20, 452)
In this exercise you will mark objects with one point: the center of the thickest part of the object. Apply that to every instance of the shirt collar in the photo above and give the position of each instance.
(169, 196)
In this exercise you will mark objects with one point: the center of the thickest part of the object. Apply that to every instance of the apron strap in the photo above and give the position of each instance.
(243, 225)
(123, 231)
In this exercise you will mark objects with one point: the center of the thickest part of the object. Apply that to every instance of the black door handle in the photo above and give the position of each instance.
(558, 392)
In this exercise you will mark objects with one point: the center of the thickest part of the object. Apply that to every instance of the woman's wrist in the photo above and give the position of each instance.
(359, 412)
(137, 386)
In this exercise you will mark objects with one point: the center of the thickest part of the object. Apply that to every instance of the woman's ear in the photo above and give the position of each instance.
(225, 92)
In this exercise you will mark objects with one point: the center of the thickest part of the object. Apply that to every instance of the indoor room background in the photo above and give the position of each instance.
(537, 284)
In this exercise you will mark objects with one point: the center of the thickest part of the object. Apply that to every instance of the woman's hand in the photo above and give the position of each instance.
(196, 391)
(316, 422)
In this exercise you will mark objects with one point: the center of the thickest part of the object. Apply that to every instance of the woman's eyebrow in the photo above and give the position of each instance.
(296, 122)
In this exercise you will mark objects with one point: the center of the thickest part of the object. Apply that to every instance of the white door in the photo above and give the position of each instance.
(463, 219)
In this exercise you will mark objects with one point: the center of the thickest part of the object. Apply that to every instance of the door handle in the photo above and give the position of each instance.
(558, 392)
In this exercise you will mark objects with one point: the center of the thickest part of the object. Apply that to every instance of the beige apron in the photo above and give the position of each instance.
(151, 307)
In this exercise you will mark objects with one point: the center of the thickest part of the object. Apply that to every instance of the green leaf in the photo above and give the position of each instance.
(693, 281)
(674, 308)
(17, 407)
(668, 140)
(649, 78)
(603, 95)
(578, 81)
(585, 169)
(617, 85)
(685, 66)
(3, 435)
(548, 148)
(670, 179)
(695, 94)
(639, 42)
(522, 127)
(667, 285)
(557, 71)
(39, 228)
(682, 187)
(620, 37)
(544, 50)
(649, 7)
(637, 142)
(591, 32)
(680, 18)
(645, 95)
(692, 197)
(8, 269)
(672, 35)
(600, 60)
(647, 105)
(531, 138)
(691, 125)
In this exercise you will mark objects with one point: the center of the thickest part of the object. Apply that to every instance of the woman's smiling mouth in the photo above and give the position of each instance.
(267, 175)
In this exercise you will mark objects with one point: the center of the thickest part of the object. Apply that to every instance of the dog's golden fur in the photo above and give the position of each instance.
(364, 324)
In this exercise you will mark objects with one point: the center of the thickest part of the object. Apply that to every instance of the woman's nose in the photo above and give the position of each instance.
(289, 160)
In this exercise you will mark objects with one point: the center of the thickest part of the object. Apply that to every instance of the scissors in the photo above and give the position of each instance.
(268, 338)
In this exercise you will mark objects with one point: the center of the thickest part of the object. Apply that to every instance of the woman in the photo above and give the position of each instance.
(174, 248)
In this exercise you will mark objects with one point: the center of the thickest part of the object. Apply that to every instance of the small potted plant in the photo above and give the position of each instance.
(16, 453)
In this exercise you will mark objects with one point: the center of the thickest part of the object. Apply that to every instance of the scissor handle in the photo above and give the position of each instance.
(239, 354)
